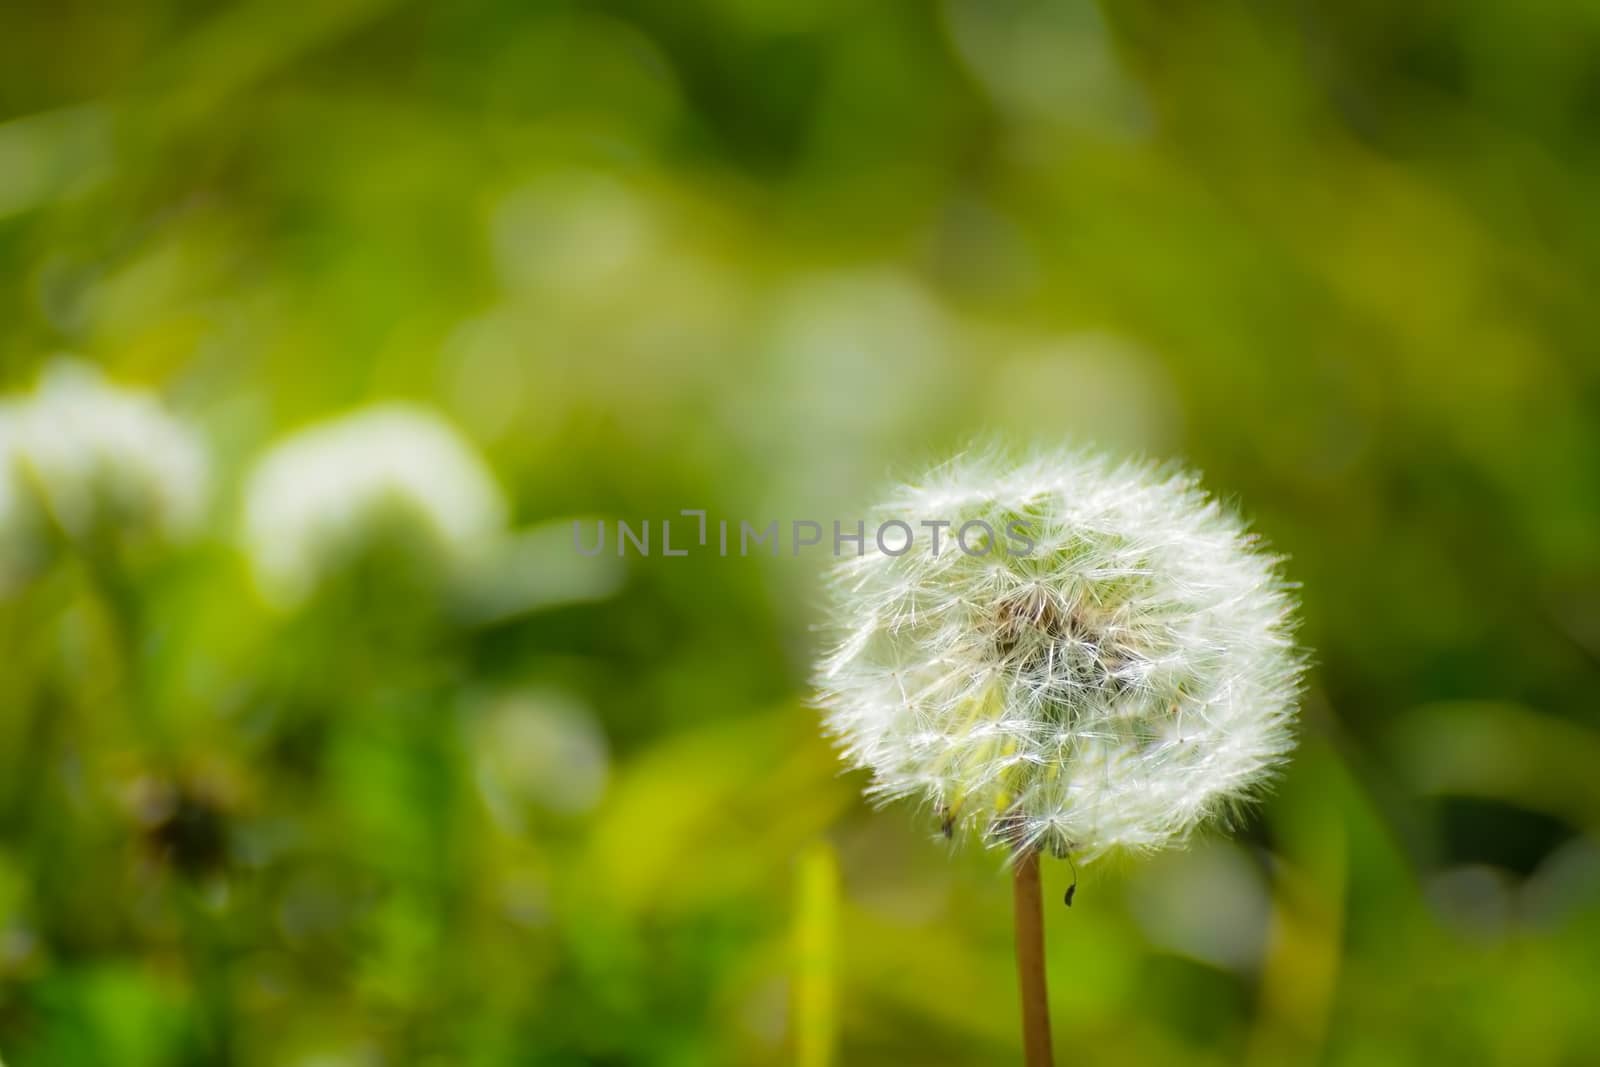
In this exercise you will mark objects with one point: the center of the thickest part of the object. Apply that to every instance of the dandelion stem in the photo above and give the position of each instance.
(1030, 960)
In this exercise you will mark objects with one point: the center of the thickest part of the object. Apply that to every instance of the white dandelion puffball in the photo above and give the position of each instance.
(1112, 667)
(94, 459)
(321, 493)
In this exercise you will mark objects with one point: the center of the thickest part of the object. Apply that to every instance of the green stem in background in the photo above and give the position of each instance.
(201, 934)
(815, 935)
(1030, 960)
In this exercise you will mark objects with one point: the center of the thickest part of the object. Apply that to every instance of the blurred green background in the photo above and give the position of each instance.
(505, 805)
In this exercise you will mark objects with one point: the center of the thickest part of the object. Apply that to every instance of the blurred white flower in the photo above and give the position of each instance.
(538, 748)
(874, 350)
(1130, 676)
(323, 492)
(94, 460)
(1209, 903)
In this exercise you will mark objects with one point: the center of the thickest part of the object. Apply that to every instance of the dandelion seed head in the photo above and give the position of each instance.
(94, 460)
(1129, 677)
(323, 492)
